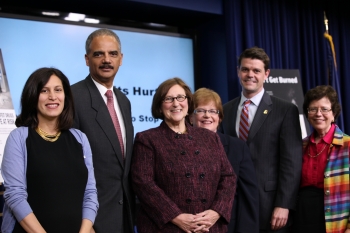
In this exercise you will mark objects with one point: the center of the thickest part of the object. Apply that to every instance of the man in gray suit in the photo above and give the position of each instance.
(274, 139)
(111, 156)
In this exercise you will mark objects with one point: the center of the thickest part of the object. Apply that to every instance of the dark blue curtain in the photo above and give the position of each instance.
(291, 32)
(339, 28)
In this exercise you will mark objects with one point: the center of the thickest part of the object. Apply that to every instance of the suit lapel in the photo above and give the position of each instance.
(103, 118)
(264, 109)
(231, 116)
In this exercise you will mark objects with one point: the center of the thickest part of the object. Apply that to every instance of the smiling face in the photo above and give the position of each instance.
(104, 59)
(175, 112)
(206, 120)
(321, 122)
(252, 75)
(51, 100)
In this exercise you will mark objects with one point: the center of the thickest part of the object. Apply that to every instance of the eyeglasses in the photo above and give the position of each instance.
(324, 111)
(204, 111)
(170, 99)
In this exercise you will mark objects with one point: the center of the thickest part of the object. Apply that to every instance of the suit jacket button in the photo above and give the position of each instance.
(183, 152)
(188, 175)
(188, 201)
(196, 152)
(177, 136)
(121, 202)
(202, 176)
(204, 201)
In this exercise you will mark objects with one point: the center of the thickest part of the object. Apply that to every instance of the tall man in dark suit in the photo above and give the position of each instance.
(111, 156)
(274, 139)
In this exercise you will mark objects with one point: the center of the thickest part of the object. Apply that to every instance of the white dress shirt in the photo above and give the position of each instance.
(102, 89)
(252, 108)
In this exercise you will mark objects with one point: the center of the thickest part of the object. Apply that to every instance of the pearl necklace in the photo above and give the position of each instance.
(46, 136)
(314, 156)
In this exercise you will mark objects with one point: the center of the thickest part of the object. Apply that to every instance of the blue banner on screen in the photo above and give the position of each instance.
(148, 60)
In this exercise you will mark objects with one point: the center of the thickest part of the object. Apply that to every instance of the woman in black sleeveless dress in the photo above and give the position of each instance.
(47, 166)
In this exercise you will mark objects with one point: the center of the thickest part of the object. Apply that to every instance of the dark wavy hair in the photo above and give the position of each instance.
(318, 93)
(161, 92)
(255, 53)
(30, 97)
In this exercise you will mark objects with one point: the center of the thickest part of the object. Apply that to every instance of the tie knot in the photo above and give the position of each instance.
(247, 102)
(109, 94)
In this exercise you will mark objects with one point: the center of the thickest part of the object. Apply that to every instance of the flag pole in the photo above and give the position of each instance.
(325, 21)
(333, 78)
(327, 36)
(330, 40)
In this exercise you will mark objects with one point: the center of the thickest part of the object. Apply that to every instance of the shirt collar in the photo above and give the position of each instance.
(328, 138)
(255, 99)
(102, 89)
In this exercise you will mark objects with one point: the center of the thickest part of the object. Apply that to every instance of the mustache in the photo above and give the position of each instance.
(106, 66)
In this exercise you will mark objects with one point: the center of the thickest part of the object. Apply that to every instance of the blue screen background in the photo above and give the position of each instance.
(148, 60)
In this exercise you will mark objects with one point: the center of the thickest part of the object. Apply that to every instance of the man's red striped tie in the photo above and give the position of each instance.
(244, 122)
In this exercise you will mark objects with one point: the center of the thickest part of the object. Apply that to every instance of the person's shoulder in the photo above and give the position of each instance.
(80, 91)
(231, 102)
(79, 135)
(148, 132)
(346, 139)
(22, 130)
(339, 134)
(20, 133)
(78, 84)
(278, 100)
(231, 140)
(200, 130)
(120, 94)
(203, 133)
(283, 106)
(76, 131)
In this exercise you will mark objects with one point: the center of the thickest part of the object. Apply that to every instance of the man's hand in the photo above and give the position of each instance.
(279, 218)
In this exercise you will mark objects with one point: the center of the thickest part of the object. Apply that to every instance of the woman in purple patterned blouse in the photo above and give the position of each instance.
(180, 173)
